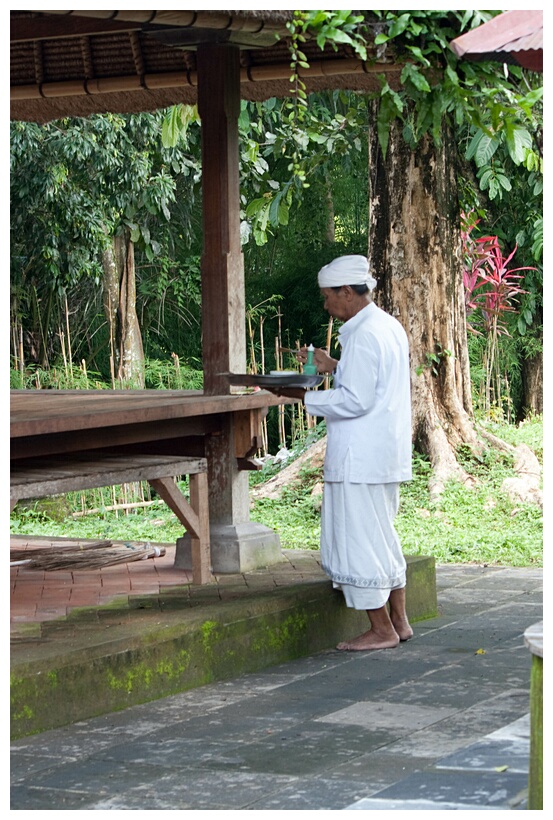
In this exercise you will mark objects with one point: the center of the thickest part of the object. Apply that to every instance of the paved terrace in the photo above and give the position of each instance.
(441, 722)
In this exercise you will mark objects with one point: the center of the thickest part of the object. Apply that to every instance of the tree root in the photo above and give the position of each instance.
(524, 487)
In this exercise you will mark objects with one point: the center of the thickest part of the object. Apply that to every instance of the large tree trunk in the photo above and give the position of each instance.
(120, 309)
(532, 382)
(330, 235)
(414, 250)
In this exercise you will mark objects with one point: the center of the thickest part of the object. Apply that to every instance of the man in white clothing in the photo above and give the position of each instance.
(368, 454)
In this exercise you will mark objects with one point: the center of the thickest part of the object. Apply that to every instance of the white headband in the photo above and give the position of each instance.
(346, 270)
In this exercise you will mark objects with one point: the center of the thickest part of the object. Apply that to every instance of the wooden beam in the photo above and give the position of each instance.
(200, 543)
(182, 79)
(194, 517)
(221, 21)
(247, 433)
(52, 476)
(54, 28)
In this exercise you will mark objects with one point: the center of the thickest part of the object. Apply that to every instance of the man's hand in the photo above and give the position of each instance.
(323, 362)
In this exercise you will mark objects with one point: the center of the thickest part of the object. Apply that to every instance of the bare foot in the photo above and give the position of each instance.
(370, 640)
(403, 629)
(398, 615)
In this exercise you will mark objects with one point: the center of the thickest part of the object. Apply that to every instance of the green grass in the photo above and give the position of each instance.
(155, 523)
(298, 524)
(470, 525)
(529, 432)
(478, 525)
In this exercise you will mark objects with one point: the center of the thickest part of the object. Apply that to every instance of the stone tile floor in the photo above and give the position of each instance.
(440, 723)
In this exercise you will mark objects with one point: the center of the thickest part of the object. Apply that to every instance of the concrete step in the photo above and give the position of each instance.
(99, 660)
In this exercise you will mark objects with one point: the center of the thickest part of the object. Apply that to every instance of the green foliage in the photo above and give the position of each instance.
(167, 374)
(60, 376)
(297, 523)
(154, 523)
(169, 301)
(477, 524)
(439, 85)
(280, 160)
(505, 154)
(466, 525)
(432, 360)
(172, 375)
(74, 184)
(336, 26)
(330, 220)
(472, 526)
(176, 124)
(529, 432)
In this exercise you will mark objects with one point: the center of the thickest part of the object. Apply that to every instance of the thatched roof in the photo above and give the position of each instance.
(76, 63)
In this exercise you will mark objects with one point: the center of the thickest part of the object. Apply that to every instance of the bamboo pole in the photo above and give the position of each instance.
(262, 341)
(111, 344)
(264, 428)
(15, 345)
(61, 334)
(251, 337)
(176, 362)
(111, 508)
(21, 356)
(302, 412)
(328, 342)
(69, 353)
(278, 361)
(280, 407)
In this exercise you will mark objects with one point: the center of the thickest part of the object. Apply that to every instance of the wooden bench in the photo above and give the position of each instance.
(62, 474)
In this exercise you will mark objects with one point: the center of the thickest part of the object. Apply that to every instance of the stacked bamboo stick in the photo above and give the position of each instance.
(78, 555)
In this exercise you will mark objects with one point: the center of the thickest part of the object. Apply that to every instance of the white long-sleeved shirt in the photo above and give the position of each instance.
(368, 409)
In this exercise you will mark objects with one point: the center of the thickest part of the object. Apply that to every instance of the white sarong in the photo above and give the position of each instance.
(360, 549)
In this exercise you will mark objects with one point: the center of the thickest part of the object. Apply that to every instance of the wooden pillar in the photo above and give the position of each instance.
(236, 543)
(223, 297)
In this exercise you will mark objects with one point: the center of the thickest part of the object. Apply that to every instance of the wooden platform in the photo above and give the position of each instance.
(51, 422)
(62, 474)
(174, 430)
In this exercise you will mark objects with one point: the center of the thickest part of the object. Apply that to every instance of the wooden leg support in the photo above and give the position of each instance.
(194, 516)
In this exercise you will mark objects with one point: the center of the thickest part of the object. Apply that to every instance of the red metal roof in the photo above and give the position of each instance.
(511, 37)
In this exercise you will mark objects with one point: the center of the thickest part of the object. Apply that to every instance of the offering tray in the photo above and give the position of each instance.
(284, 379)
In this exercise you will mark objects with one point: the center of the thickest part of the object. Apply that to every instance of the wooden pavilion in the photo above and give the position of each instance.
(77, 63)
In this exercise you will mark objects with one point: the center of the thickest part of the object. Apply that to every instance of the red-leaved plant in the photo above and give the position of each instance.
(491, 291)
